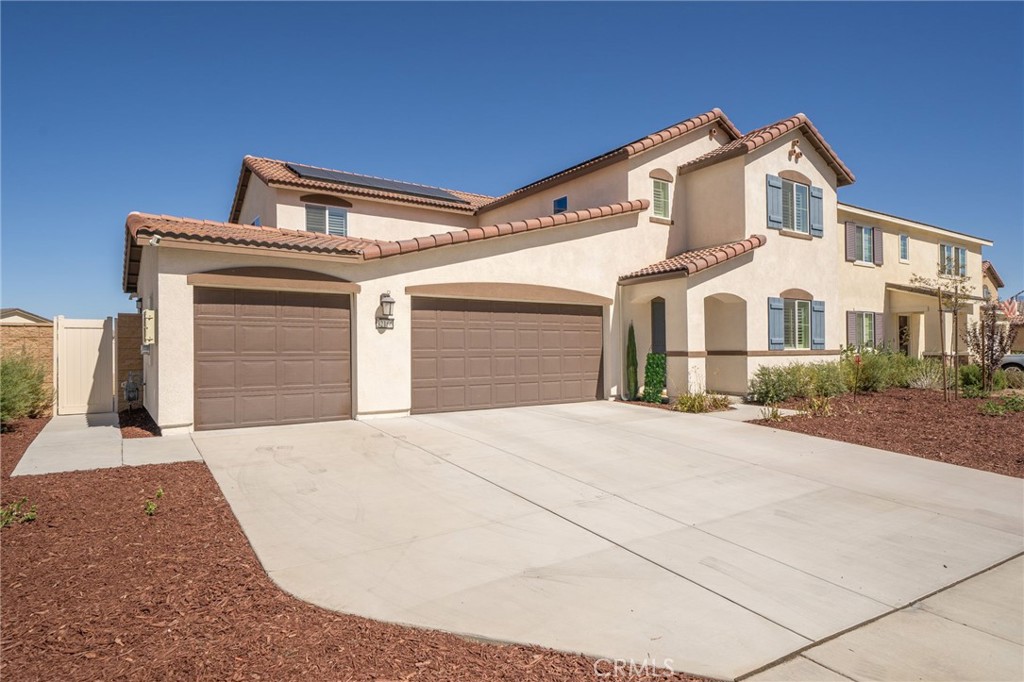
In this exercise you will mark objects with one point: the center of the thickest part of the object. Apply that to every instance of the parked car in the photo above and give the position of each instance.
(1014, 362)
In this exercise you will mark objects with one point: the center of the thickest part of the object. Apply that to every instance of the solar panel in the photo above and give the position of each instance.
(374, 183)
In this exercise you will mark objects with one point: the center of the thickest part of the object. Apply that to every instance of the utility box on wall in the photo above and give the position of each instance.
(148, 327)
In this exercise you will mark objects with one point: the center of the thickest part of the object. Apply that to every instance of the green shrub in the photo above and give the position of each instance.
(999, 380)
(1014, 378)
(12, 513)
(825, 380)
(696, 403)
(772, 385)
(991, 408)
(872, 374)
(1014, 403)
(23, 389)
(654, 377)
(925, 374)
(970, 377)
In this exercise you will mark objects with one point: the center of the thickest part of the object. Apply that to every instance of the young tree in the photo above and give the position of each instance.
(632, 386)
(952, 289)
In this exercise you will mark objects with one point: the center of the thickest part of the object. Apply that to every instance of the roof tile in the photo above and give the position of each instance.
(690, 262)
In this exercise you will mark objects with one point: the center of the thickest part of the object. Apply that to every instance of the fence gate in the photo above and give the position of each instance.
(85, 365)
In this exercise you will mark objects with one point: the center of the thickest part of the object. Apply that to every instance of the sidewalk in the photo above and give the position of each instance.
(93, 441)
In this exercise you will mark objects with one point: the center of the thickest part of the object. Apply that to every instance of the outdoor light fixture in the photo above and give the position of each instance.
(386, 316)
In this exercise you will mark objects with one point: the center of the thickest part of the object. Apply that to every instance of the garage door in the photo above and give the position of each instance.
(478, 354)
(270, 357)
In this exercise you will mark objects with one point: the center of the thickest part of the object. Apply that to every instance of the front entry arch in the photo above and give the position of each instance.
(725, 340)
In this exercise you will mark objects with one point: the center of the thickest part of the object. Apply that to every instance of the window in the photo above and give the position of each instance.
(986, 293)
(952, 260)
(661, 199)
(560, 205)
(904, 248)
(327, 220)
(658, 325)
(794, 206)
(865, 251)
(797, 316)
(865, 329)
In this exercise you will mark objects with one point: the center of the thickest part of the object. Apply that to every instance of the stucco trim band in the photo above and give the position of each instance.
(506, 291)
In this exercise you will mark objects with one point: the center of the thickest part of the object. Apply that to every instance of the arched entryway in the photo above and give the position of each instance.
(725, 340)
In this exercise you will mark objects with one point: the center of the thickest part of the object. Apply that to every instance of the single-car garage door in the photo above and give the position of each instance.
(271, 357)
(478, 354)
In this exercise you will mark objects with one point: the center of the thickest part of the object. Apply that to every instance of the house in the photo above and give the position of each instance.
(19, 316)
(330, 295)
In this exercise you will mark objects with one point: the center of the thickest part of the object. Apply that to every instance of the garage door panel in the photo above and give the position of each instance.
(266, 357)
(215, 337)
(451, 397)
(503, 366)
(528, 393)
(479, 367)
(503, 339)
(424, 339)
(252, 338)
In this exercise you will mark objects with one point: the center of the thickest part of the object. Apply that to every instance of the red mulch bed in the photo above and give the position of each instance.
(137, 423)
(95, 589)
(15, 441)
(920, 423)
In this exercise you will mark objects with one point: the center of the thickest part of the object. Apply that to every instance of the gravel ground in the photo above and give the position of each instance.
(920, 423)
(137, 423)
(96, 589)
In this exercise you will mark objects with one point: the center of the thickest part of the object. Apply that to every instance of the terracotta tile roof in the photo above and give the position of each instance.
(385, 249)
(207, 231)
(623, 152)
(277, 174)
(990, 270)
(690, 262)
(762, 136)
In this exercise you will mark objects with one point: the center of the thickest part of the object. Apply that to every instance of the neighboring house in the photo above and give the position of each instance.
(19, 316)
(331, 295)
(991, 282)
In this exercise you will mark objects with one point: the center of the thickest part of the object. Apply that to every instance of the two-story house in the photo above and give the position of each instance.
(332, 295)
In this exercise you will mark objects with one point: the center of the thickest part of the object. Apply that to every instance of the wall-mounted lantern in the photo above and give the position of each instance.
(386, 316)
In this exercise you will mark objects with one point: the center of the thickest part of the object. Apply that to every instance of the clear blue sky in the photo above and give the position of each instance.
(110, 108)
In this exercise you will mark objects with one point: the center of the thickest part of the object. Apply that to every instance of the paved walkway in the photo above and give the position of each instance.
(93, 441)
(710, 545)
(971, 631)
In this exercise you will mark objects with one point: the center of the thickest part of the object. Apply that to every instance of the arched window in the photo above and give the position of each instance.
(658, 325)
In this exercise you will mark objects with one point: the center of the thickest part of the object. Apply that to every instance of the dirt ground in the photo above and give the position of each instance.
(920, 423)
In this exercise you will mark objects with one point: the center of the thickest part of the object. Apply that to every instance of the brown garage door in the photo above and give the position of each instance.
(477, 354)
(270, 357)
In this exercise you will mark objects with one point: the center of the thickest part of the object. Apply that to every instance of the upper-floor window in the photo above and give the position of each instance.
(904, 248)
(865, 245)
(327, 220)
(986, 293)
(794, 206)
(952, 260)
(560, 205)
(661, 206)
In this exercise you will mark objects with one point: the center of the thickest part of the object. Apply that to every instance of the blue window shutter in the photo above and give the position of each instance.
(776, 324)
(774, 202)
(817, 325)
(817, 212)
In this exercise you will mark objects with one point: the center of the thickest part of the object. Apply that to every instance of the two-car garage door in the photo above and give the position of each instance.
(479, 354)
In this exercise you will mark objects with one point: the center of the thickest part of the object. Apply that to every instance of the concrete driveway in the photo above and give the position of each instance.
(705, 545)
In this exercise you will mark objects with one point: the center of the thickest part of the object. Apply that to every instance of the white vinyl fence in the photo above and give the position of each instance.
(84, 351)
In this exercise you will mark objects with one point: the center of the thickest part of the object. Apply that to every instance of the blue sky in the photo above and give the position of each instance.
(110, 108)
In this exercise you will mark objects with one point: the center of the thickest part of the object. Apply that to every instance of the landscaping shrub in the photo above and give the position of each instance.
(926, 374)
(825, 380)
(1014, 378)
(970, 377)
(772, 385)
(23, 389)
(696, 403)
(654, 377)
(999, 380)
(871, 375)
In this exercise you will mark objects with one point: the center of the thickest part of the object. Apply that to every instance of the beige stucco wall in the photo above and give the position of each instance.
(376, 219)
(148, 290)
(577, 257)
(15, 318)
(259, 200)
(713, 209)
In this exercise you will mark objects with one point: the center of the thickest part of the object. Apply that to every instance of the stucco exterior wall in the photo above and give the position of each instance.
(375, 219)
(259, 200)
(148, 290)
(713, 207)
(578, 257)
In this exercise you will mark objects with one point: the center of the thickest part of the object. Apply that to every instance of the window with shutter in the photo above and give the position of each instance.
(661, 199)
(817, 325)
(864, 332)
(774, 191)
(776, 324)
(865, 245)
(817, 212)
(797, 324)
